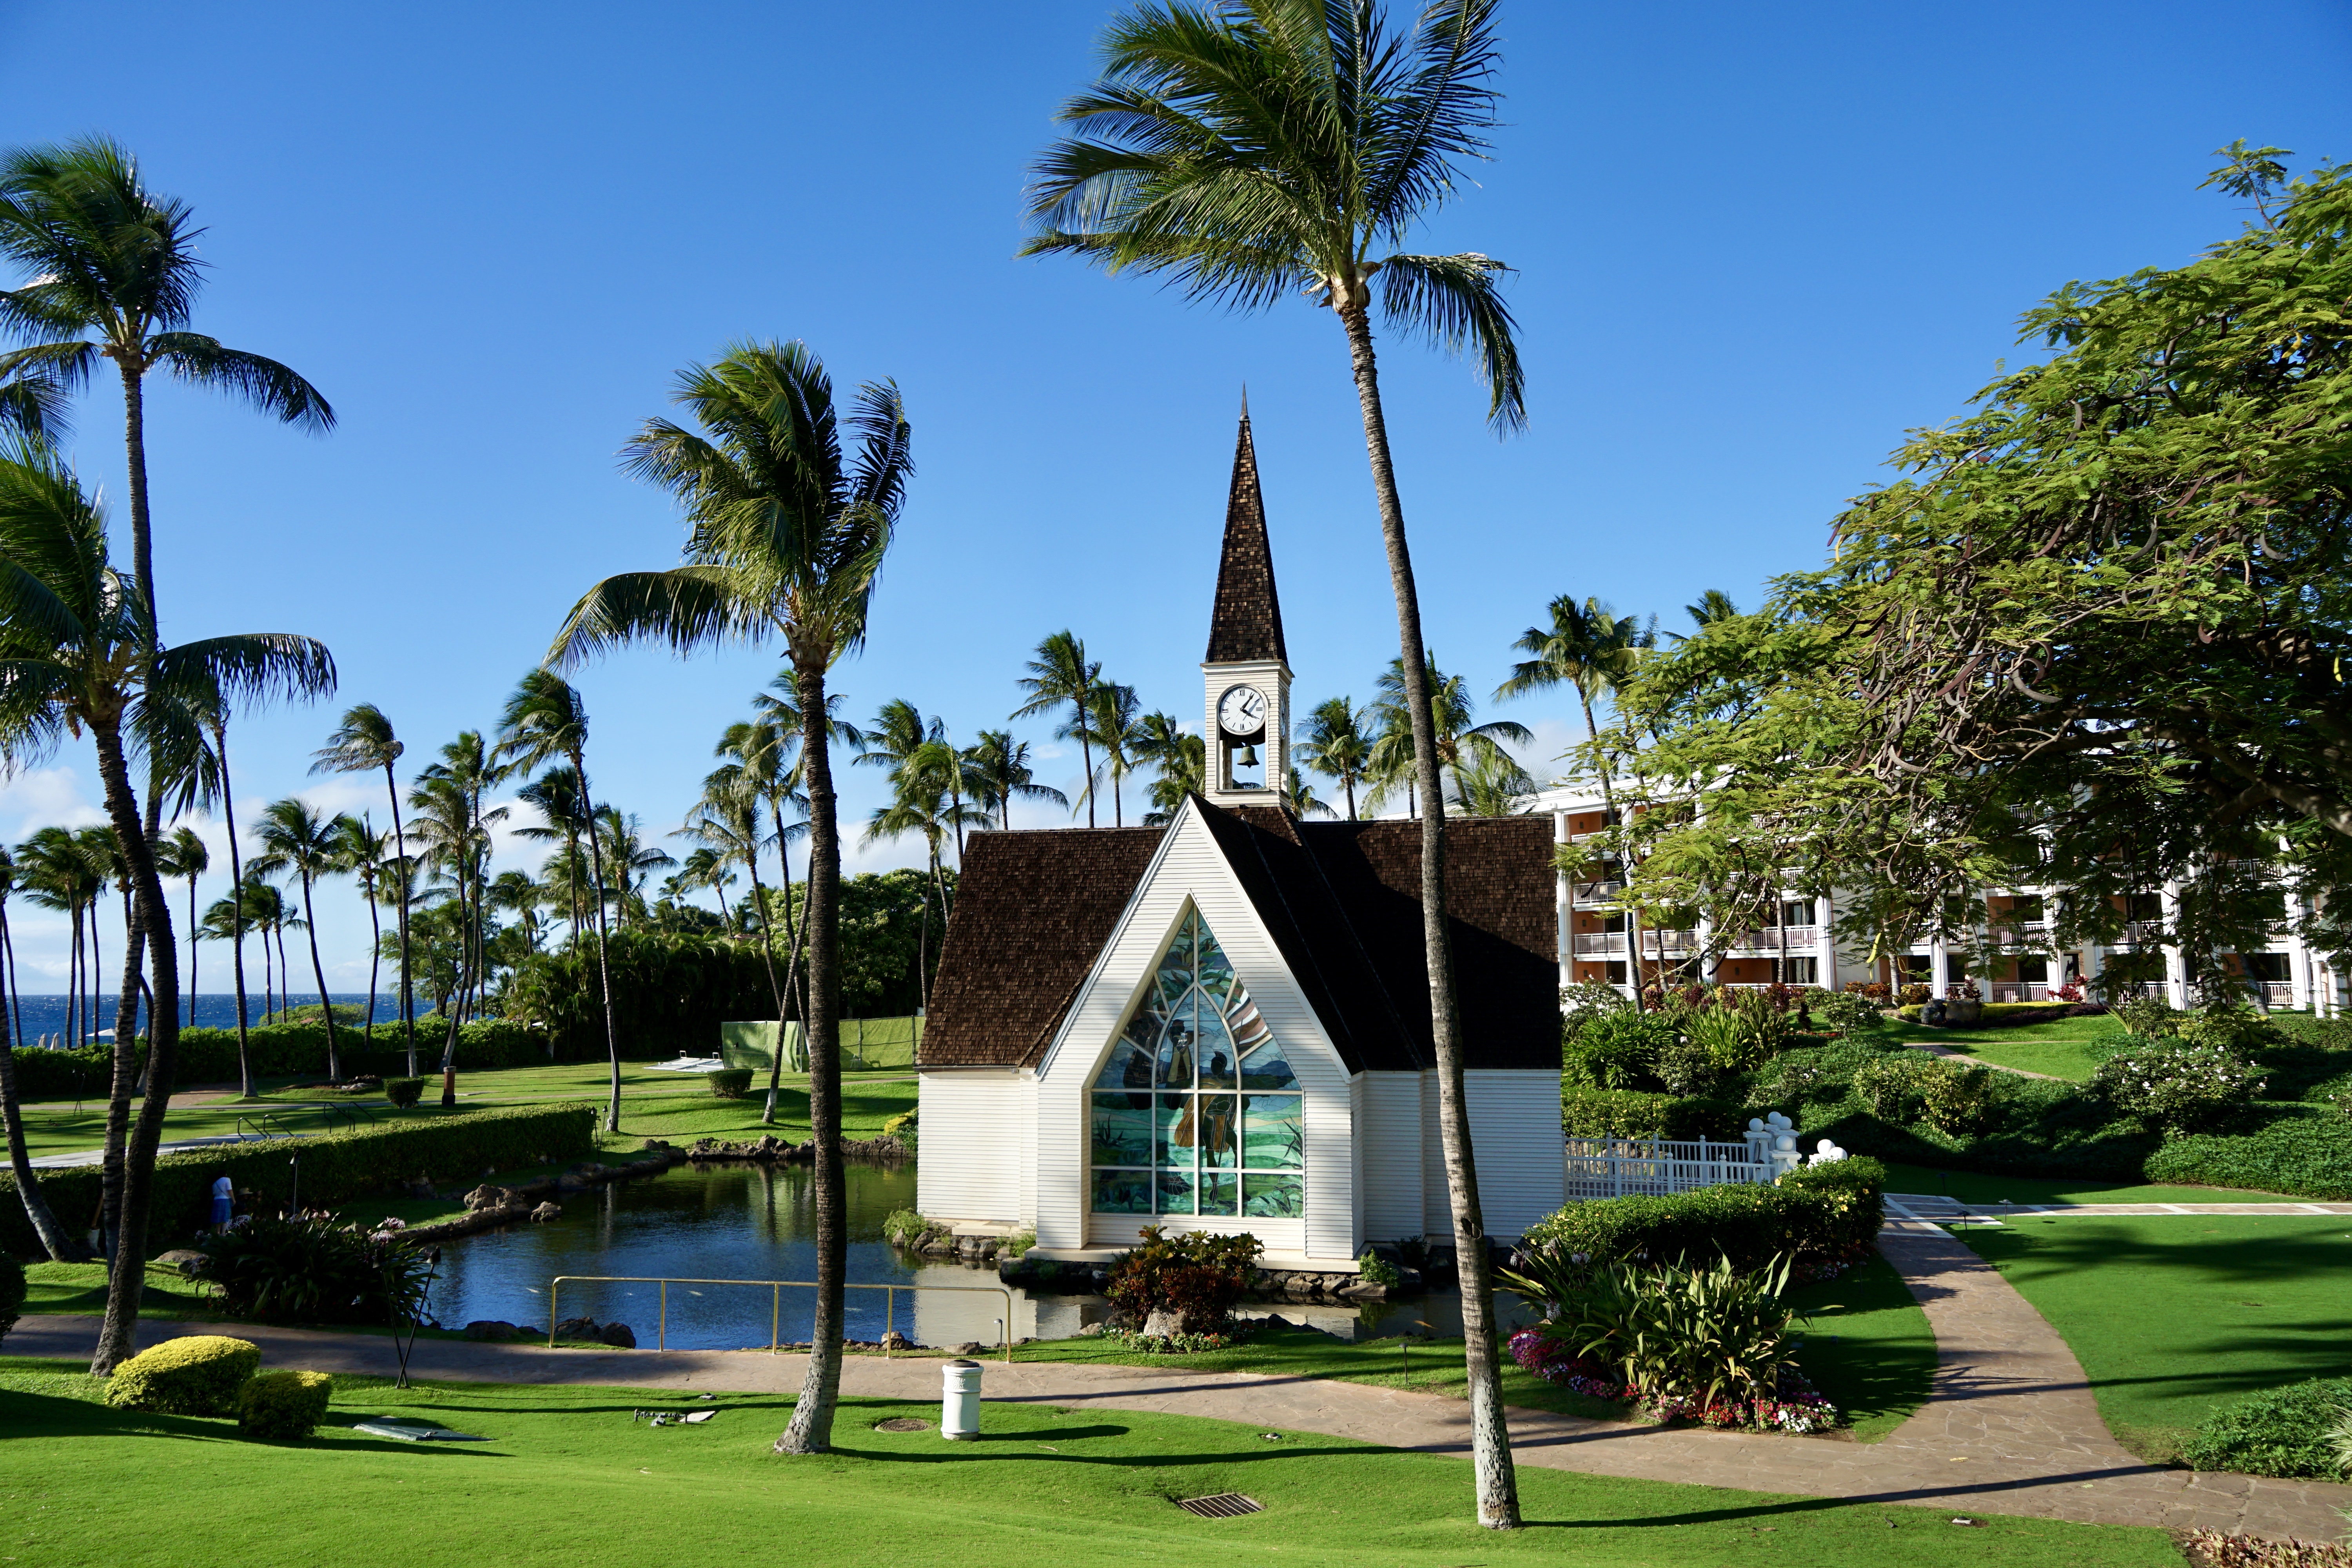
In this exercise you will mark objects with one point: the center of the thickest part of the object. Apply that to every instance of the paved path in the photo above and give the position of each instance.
(1950, 1211)
(2010, 1425)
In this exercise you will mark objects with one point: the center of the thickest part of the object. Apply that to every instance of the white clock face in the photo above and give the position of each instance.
(1242, 711)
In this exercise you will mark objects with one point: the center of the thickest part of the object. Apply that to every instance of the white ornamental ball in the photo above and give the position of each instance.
(1784, 1143)
(1753, 1125)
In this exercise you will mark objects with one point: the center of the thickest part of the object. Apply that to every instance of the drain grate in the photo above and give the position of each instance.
(903, 1424)
(1225, 1505)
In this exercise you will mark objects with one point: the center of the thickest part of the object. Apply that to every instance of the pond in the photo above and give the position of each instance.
(756, 1222)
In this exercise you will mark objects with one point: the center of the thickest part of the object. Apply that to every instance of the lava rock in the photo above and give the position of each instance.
(186, 1259)
(546, 1211)
(498, 1331)
(620, 1336)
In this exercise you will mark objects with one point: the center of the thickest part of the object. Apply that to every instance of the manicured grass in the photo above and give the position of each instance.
(1976, 1187)
(567, 1478)
(81, 1287)
(2069, 1048)
(1867, 1347)
(2174, 1316)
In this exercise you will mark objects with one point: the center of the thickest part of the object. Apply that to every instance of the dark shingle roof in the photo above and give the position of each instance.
(1342, 900)
(1247, 621)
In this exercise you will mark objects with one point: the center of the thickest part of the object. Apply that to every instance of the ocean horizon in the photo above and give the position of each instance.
(44, 1017)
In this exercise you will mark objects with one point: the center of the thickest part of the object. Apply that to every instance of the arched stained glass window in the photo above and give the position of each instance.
(1197, 1111)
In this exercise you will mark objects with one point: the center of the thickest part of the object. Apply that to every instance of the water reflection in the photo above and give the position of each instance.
(756, 1222)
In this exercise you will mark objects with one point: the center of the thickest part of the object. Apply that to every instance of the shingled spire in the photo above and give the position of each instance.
(1247, 621)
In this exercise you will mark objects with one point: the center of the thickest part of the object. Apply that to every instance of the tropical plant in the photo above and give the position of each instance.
(311, 1270)
(545, 721)
(364, 741)
(1194, 1277)
(1332, 741)
(81, 656)
(54, 1238)
(2184, 1088)
(1491, 783)
(1180, 761)
(182, 853)
(1115, 724)
(298, 837)
(726, 821)
(453, 831)
(1061, 672)
(787, 536)
(359, 855)
(1000, 772)
(1458, 741)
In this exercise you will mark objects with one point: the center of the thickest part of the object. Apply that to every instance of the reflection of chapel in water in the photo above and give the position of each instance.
(1224, 1023)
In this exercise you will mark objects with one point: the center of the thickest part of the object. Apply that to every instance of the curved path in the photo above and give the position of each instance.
(2009, 1428)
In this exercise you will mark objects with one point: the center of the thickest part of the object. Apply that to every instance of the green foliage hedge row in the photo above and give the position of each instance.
(335, 1167)
(2308, 1155)
(196, 1375)
(1825, 1216)
(277, 1050)
(2281, 1432)
(1631, 1113)
(284, 1404)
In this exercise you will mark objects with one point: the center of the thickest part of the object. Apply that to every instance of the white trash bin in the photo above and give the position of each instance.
(959, 1401)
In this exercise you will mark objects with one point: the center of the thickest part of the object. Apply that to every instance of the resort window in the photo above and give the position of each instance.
(1197, 1111)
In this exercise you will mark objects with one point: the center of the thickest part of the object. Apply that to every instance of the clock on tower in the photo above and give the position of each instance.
(1246, 676)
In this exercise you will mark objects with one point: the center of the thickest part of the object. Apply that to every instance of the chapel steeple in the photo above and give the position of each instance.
(1247, 671)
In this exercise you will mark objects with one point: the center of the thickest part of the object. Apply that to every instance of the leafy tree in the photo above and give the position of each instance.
(788, 535)
(364, 741)
(1264, 150)
(80, 652)
(2093, 635)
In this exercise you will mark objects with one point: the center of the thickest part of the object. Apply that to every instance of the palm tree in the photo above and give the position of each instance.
(55, 1240)
(707, 867)
(998, 768)
(556, 793)
(1115, 724)
(56, 876)
(454, 827)
(184, 855)
(924, 802)
(1713, 605)
(298, 837)
(1455, 739)
(545, 721)
(763, 771)
(359, 854)
(1262, 150)
(1491, 783)
(115, 274)
(81, 654)
(1183, 760)
(779, 707)
(630, 861)
(788, 535)
(1332, 741)
(1298, 797)
(364, 741)
(1061, 672)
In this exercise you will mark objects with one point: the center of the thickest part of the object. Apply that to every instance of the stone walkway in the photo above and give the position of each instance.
(1951, 1211)
(2009, 1428)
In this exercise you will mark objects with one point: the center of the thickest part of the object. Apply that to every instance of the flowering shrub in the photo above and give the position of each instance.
(2231, 1026)
(1915, 995)
(2070, 992)
(1196, 1275)
(2178, 1087)
(1850, 1013)
(1960, 1100)
(1793, 1406)
(1892, 1084)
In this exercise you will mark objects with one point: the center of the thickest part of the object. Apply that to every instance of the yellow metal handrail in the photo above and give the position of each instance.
(775, 1303)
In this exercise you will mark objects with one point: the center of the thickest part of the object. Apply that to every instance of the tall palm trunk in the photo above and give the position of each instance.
(237, 914)
(53, 1236)
(1085, 754)
(768, 953)
(124, 1087)
(126, 1267)
(407, 993)
(811, 1430)
(604, 968)
(1498, 1484)
(73, 981)
(192, 952)
(375, 957)
(134, 443)
(319, 974)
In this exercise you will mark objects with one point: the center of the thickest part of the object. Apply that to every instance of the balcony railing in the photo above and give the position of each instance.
(2017, 932)
(1597, 892)
(2017, 990)
(2279, 993)
(2142, 933)
(1599, 943)
(1768, 941)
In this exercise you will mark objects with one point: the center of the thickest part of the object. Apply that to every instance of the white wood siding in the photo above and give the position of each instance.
(1522, 1159)
(1393, 1170)
(974, 1138)
(1188, 869)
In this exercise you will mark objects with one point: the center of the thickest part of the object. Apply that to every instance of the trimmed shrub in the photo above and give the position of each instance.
(1826, 1216)
(1630, 1113)
(730, 1083)
(2282, 1432)
(1893, 1086)
(1616, 1050)
(12, 1292)
(1960, 1101)
(404, 1092)
(1196, 1275)
(2309, 1156)
(198, 1374)
(2185, 1088)
(284, 1404)
(312, 1271)
(336, 1166)
(1849, 1013)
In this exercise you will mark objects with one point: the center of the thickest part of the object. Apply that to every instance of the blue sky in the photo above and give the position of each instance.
(1754, 244)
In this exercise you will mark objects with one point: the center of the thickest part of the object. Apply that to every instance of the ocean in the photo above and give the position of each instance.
(45, 1015)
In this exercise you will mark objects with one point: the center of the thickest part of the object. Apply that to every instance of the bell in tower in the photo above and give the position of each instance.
(1247, 672)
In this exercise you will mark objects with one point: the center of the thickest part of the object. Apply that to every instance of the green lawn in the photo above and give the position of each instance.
(568, 1477)
(2065, 1048)
(81, 1287)
(1867, 1346)
(2174, 1316)
(1976, 1187)
(653, 1104)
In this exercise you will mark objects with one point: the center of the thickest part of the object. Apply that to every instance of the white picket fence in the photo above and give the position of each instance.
(1653, 1167)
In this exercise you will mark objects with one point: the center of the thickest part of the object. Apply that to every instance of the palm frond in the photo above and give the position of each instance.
(256, 667)
(264, 383)
(1452, 302)
(687, 607)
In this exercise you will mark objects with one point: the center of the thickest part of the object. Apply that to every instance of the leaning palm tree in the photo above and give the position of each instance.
(359, 855)
(545, 721)
(1256, 151)
(298, 837)
(1061, 672)
(1183, 759)
(115, 274)
(80, 657)
(787, 537)
(182, 854)
(1001, 774)
(54, 1238)
(364, 741)
(1332, 741)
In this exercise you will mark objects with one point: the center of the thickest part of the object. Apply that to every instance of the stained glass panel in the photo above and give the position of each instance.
(1220, 1194)
(1271, 1135)
(1122, 1192)
(1176, 1192)
(1171, 1130)
(1215, 1051)
(1218, 1134)
(1268, 1067)
(1122, 1131)
(1273, 1197)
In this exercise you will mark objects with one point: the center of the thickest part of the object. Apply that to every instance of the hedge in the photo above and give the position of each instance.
(196, 1375)
(2279, 1432)
(2309, 1156)
(1631, 1113)
(335, 1167)
(284, 1404)
(1826, 1214)
(277, 1050)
